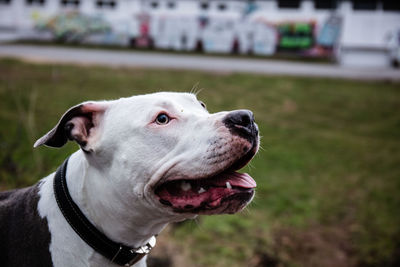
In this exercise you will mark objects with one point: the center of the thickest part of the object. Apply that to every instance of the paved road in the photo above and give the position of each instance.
(190, 62)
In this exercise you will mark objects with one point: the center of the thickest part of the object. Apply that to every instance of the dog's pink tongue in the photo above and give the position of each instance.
(206, 193)
(237, 179)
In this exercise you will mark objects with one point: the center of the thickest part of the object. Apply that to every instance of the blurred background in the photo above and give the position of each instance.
(324, 86)
(356, 32)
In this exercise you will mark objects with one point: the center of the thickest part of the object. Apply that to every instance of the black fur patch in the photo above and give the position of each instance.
(24, 235)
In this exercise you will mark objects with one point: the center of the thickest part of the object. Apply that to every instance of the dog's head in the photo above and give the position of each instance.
(165, 151)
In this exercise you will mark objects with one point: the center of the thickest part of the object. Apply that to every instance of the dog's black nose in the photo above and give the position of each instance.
(241, 122)
(241, 118)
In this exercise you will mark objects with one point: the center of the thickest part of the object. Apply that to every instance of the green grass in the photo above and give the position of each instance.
(328, 172)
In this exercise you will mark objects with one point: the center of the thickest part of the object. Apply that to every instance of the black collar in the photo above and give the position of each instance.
(115, 252)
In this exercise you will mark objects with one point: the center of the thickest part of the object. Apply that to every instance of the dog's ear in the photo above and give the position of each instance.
(80, 123)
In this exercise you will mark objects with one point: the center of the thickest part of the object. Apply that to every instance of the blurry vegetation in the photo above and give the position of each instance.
(328, 174)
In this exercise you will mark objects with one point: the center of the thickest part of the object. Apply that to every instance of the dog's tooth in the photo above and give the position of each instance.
(228, 185)
(185, 186)
(201, 190)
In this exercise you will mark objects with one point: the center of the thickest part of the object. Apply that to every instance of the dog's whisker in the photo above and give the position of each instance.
(250, 166)
(262, 148)
(194, 88)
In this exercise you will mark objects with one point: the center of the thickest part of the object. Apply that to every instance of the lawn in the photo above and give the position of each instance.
(328, 172)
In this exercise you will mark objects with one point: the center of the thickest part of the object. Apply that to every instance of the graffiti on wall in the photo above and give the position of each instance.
(327, 38)
(245, 34)
(73, 26)
(329, 34)
(143, 39)
(263, 38)
(296, 35)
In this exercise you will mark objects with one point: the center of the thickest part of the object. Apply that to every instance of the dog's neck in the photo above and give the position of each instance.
(119, 216)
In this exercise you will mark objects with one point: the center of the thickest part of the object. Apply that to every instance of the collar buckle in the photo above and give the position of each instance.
(146, 248)
(141, 251)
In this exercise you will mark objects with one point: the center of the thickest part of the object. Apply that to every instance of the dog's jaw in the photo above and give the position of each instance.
(219, 190)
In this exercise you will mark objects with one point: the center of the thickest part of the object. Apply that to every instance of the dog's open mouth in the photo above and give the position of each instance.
(227, 192)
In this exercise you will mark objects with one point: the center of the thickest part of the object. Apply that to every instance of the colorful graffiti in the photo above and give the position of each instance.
(73, 26)
(264, 38)
(327, 38)
(246, 34)
(143, 40)
(296, 35)
(329, 34)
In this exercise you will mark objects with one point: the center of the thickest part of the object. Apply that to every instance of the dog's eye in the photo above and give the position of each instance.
(162, 119)
(203, 105)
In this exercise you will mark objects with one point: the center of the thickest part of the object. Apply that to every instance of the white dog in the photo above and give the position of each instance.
(145, 161)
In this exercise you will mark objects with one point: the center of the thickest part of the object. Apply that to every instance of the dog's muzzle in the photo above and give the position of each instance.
(225, 190)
